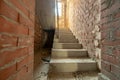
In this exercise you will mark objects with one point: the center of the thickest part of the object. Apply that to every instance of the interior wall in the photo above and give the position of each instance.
(84, 20)
(45, 12)
(40, 36)
(110, 28)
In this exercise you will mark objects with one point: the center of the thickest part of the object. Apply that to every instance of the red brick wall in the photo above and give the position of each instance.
(16, 39)
(110, 28)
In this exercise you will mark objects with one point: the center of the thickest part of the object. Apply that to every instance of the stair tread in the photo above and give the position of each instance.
(67, 46)
(72, 60)
(69, 50)
(68, 43)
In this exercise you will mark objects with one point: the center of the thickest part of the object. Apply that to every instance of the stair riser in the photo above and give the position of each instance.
(56, 40)
(67, 37)
(65, 40)
(67, 46)
(63, 33)
(68, 41)
(68, 54)
(73, 67)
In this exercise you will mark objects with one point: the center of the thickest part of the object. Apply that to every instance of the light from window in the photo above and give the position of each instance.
(59, 9)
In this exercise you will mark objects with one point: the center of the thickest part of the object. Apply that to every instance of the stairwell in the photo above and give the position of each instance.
(69, 60)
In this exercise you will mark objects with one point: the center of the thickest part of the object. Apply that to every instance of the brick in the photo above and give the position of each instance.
(111, 43)
(117, 51)
(19, 6)
(7, 41)
(25, 41)
(25, 62)
(111, 59)
(12, 28)
(26, 22)
(116, 71)
(29, 4)
(8, 56)
(32, 32)
(7, 72)
(106, 66)
(22, 74)
(109, 75)
(30, 67)
(32, 17)
(31, 49)
(16, 32)
(117, 34)
(103, 77)
(8, 11)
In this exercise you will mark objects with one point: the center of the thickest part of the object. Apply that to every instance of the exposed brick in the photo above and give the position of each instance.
(19, 6)
(109, 75)
(25, 22)
(8, 11)
(8, 56)
(22, 74)
(116, 71)
(25, 41)
(16, 39)
(106, 66)
(13, 28)
(5, 73)
(25, 62)
(7, 41)
(110, 34)
(83, 21)
(29, 4)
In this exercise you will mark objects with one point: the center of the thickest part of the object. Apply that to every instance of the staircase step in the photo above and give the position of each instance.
(73, 65)
(65, 41)
(67, 37)
(73, 76)
(68, 40)
(64, 30)
(64, 53)
(66, 33)
(67, 46)
(56, 40)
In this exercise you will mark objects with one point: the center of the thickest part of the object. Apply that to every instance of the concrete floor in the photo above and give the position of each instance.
(41, 71)
(74, 76)
(41, 68)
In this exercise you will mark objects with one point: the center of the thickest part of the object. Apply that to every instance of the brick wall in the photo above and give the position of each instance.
(16, 39)
(83, 20)
(40, 36)
(110, 28)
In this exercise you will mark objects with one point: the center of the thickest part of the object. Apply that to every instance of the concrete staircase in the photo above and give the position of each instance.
(69, 57)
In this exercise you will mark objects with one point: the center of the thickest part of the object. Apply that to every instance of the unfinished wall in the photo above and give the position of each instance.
(16, 39)
(84, 18)
(40, 37)
(110, 28)
(46, 13)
